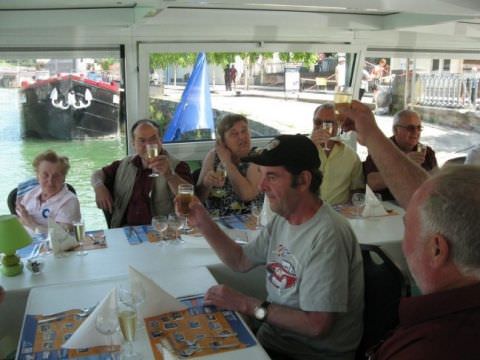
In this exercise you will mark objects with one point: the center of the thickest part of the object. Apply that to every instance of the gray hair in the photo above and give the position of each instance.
(403, 113)
(329, 106)
(451, 209)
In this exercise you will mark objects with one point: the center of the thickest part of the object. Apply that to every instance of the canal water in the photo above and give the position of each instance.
(16, 155)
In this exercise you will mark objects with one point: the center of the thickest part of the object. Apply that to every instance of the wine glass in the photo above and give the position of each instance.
(256, 211)
(79, 228)
(152, 153)
(327, 126)
(185, 195)
(358, 200)
(221, 173)
(132, 294)
(160, 224)
(127, 319)
(107, 324)
(342, 98)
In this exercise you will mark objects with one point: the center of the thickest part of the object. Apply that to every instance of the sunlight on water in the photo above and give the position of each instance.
(16, 155)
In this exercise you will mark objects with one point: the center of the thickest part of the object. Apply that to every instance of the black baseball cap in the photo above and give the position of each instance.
(292, 151)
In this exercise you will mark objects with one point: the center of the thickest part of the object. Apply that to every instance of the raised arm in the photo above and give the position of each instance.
(401, 175)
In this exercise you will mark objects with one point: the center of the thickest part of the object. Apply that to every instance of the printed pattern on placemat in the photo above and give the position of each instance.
(242, 222)
(198, 331)
(44, 341)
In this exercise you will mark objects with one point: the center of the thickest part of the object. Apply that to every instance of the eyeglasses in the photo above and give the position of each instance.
(411, 128)
(321, 122)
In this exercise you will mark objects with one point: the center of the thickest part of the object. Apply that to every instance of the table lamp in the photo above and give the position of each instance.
(13, 236)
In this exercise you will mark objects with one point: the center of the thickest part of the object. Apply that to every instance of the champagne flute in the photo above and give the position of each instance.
(221, 173)
(342, 98)
(185, 195)
(79, 228)
(127, 318)
(327, 126)
(152, 153)
(132, 294)
(256, 211)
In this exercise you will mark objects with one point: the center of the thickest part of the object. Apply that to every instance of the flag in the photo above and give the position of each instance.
(194, 112)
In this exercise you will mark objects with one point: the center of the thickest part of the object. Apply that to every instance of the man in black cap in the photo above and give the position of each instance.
(313, 261)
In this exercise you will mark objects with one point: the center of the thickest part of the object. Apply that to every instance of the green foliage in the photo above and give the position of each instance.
(105, 64)
(306, 58)
(162, 60)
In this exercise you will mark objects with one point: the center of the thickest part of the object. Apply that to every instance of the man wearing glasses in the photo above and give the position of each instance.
(126, 189)
(407, 128)
(340, 166)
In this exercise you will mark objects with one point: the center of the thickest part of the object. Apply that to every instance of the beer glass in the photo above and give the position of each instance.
(185, 195)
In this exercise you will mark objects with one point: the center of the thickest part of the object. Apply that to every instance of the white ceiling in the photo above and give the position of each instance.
(250, 19)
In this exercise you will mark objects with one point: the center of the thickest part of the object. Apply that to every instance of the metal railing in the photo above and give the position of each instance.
(446, 90)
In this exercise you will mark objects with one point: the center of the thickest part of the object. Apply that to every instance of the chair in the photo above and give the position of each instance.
(385, 284)
(12, 198)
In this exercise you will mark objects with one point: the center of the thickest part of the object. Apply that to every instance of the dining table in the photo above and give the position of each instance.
(169, 257)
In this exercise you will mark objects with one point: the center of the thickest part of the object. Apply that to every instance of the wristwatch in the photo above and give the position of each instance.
(261, 312)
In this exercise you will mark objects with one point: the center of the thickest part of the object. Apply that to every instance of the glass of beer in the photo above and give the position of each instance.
(185, 196)
(79, 229)
(152, 153)
(342, 99)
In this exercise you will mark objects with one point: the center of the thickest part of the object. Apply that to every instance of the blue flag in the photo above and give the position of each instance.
(194, 112)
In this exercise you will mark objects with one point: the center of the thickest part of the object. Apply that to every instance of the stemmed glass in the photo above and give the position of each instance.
(358, 200)
(152, 153)
(256, 208)
(160, 225)
(133, 295)
(107, 324)
(327, 126)
(127, 318)
(221, 173)
(79, 228)
(185, 195)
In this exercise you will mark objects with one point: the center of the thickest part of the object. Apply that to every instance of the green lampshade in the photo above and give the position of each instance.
(13, 236)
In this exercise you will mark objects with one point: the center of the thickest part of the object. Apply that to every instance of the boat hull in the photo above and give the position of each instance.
(41, 119)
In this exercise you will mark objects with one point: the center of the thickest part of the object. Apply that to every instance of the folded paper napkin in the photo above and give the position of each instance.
(60, 240)
(157, 300)
(87, 334)
(373, 206)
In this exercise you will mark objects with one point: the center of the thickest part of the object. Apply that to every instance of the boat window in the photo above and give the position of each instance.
(444, 91)
(70, 102)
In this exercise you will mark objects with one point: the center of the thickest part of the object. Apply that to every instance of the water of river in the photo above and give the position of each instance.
(16, 155)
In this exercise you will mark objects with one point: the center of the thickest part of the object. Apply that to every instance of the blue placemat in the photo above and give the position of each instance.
(137, 234)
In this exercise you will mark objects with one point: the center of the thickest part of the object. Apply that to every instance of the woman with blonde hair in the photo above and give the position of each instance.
(226, 184)
(51, 198)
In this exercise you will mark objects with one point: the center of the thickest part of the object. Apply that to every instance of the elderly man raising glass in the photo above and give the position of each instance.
(126, 189)
(51, 197)
(407, 128)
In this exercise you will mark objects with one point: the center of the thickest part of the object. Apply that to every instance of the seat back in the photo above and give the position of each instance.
(12, 198)
(385, 284)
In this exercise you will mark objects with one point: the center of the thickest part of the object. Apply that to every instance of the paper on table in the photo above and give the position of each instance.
(87, 334)
(157, 300)
(60, 240)
(373, 206)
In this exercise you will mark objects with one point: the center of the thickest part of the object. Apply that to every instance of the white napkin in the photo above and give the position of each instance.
(373, 206)
(87, 334)
(157, 300)
(60, 240)
(267, 214)
(195, 242)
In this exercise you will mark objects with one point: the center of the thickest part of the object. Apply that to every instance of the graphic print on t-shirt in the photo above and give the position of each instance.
(281, 270)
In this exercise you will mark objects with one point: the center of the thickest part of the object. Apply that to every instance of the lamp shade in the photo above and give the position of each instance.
(13, 235)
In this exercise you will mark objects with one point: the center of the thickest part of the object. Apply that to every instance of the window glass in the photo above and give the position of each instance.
(71, 105)
(276, 91)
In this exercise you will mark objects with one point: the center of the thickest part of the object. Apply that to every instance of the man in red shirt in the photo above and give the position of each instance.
(441, 247)
(125, 188)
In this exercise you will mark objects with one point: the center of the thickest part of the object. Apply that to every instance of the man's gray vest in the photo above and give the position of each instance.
(161, 198)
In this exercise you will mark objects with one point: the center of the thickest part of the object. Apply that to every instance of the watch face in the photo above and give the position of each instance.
(260, 313)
